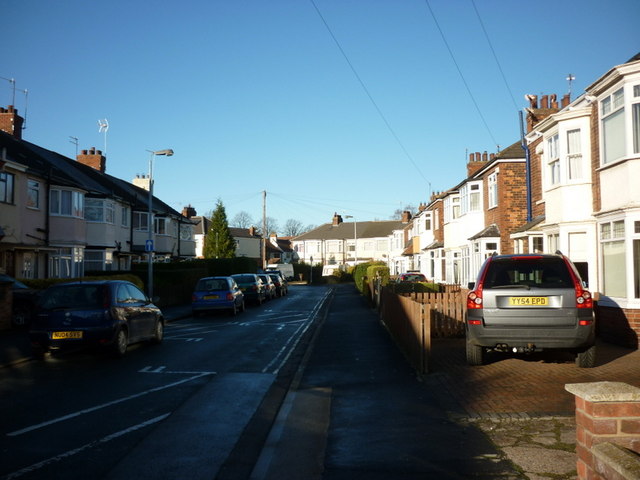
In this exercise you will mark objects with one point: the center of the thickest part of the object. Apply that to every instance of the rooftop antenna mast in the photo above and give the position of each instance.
(103, 127)
(74, 140)
(570, 79)
(12, 81)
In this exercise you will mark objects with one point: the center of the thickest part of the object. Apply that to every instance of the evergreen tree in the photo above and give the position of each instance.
(219, 243)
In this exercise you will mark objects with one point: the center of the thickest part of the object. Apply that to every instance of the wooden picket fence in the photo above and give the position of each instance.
(414, 319)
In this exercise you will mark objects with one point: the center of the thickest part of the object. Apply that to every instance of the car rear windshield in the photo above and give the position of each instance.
(212, 284)
(73, 296)
(414, 277)
(530, 272)
(244, 278)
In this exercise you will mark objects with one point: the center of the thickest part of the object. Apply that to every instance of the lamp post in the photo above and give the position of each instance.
(150, 247)
(355, 239)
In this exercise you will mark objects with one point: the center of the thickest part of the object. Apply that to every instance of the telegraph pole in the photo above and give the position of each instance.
(264, 229)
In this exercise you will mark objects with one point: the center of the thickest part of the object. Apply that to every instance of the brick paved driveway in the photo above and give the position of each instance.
(522, 385)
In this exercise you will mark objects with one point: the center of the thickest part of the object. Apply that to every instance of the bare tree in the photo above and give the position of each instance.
(293, 228)
(397, 215)
(242, 220)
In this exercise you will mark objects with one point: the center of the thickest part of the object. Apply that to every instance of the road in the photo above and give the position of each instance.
(160, 410)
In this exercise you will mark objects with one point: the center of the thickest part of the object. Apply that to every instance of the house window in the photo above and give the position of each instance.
(66, 203)
(160, 226)
(368, 245)
(141, 221)
(537, 245)
(493, 190)
(124, 216)
(94, 260)
(553, 242)
(614, 268)
(33, 194)
(451, 208)
(66, 262)
(553, 160)
(7, 181)
(382, 245)
(334, 246)
(574, 155)
(613, 138)
(469, 198)
(98, 210)
(427, 222)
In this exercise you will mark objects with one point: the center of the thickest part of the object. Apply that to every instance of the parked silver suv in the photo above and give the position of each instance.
(526, 303)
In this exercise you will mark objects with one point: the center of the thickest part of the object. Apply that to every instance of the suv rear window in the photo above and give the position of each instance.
(528, 271)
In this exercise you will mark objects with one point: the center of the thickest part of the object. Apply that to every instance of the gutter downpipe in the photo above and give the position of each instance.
(527, 156)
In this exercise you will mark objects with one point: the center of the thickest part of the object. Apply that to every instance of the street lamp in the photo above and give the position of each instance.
(150, 247)
(355, 239)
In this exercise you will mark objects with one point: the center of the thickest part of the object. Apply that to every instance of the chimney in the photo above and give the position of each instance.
(11, 122)
(406, 216)
(141, 180)
(94, 159)
(422, 207)
(252, 231)
(566, 100)
(476, 162)
(337, 219)
(535, 115)
(188, 211)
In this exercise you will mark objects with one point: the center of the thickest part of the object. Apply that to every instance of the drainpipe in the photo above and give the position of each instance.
(527, 156)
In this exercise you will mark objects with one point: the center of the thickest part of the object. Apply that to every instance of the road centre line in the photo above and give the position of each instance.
(285, 352)
(86, 446)
(103, 405)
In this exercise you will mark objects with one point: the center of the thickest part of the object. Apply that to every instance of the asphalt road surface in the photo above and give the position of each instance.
(161, 411)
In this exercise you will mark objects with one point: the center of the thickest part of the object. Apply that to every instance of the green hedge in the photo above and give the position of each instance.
(42, 283)
(409, 287)
(360, 273)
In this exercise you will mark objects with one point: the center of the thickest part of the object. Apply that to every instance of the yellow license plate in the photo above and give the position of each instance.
(210, 297)
(528, 301)
(65, 335)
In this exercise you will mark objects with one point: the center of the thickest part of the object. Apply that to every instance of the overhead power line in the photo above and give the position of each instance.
(486, 35)
(464, 81)
(366, 90)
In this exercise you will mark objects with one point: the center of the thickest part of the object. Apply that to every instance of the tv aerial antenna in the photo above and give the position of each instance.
(12, 81)
(103, 127)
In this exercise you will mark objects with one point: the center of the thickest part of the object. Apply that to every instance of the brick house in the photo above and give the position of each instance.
(60, 217)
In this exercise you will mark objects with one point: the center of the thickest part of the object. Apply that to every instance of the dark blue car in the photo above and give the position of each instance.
(108, 313)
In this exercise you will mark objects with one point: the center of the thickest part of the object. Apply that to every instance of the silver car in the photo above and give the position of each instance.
(526, 303)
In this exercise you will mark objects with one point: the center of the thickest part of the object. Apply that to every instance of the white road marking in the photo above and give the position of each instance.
(75, 451)
(162, 370)
(104, 405)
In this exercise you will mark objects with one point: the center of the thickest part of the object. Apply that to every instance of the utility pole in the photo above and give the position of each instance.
(264, 229)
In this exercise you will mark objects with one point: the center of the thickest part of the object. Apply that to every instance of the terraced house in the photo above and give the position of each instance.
(571, 185)
(60, 217)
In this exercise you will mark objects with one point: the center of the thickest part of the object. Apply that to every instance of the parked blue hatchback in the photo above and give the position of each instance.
(109, 313)
(217, 293)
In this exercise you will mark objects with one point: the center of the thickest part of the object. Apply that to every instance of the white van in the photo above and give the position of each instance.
(285, 268)
(329, 270)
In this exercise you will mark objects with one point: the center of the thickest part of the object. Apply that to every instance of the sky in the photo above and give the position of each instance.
(356, 107)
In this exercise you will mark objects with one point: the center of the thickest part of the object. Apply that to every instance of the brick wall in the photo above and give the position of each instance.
(537, 205)
(620, 326)
(595, 158)
(606, 412)
(511, 211)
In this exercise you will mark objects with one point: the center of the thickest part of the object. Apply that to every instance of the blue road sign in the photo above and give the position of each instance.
(148, 246)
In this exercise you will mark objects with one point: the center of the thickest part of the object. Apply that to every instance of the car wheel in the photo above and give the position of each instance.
(234, 309)
(243, 307)
(158, 333)
(39, 353)
(121, 343)
(587, 359)
(475, 354)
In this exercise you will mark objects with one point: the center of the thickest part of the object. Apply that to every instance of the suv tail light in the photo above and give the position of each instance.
(474, 299)
(583, 297)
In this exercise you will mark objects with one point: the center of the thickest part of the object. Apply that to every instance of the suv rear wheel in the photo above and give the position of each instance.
(475, 354)
(587, 359)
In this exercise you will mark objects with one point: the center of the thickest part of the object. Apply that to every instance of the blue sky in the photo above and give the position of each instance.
(360, 108)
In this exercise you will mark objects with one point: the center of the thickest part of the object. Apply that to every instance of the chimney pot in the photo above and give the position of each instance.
(544, 101)
(566, 100)
(484, 156)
